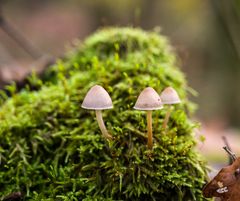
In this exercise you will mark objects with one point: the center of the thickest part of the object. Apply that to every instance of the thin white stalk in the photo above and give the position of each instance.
(102, 125)
(149, 129)
(166, 119)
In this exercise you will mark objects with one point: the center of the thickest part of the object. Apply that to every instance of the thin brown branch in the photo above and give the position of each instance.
(22, 41)
(224, 138)
(227, 148)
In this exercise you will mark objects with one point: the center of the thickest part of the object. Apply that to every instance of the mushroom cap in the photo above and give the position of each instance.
(148, 100)
(170, 96)
(97, 98)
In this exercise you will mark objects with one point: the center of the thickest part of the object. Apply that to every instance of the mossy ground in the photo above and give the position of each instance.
(51, 149)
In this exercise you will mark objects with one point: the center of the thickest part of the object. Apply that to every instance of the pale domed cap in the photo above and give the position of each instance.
(97, 98)
(170, 96)
(148, 100)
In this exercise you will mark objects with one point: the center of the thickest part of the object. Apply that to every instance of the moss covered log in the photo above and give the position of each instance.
(52, 149)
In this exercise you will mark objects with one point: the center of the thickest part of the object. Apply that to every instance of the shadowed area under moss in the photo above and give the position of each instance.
(51, 149)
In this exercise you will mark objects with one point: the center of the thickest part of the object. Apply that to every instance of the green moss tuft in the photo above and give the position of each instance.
(51, 149)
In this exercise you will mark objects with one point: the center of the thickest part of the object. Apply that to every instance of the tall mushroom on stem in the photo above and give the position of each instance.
(169, 97)
(149, 100)
(98, 99)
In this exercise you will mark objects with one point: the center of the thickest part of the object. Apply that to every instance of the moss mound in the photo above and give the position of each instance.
(51, 149)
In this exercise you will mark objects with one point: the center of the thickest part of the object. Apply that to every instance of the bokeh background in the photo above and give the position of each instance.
(205, 34)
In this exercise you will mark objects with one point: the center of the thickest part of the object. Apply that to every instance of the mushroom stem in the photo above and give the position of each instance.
(102, 125)
(149, 129)
(166, 119)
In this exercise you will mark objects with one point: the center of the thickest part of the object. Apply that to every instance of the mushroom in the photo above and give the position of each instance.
(149, 100)
(169, 97)
(98, 99)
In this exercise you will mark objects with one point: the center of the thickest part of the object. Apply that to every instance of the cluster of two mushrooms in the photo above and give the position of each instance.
(149, 100)
(98, 99)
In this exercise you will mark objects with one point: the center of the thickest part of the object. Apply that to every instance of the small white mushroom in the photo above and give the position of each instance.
(169, 97)
(149, 100)
(98, 99)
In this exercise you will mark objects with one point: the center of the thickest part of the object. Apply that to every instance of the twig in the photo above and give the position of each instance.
(23, 42)
(228, 149)
(226, 142)
(230, 153)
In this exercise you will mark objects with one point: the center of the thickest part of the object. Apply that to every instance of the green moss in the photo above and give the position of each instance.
(51, 149)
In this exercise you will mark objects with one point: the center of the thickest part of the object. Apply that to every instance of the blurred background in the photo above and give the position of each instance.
(205, 34)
